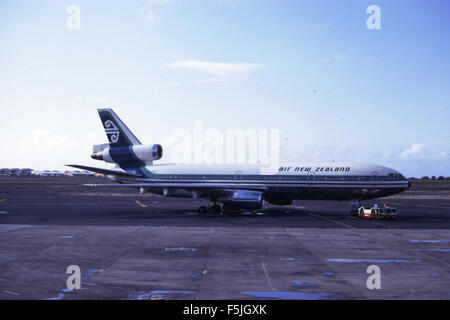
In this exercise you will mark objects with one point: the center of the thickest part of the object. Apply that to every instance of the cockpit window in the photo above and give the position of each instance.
(395, 176)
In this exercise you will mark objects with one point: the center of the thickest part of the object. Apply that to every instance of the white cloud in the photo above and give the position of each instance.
(93, 136)
(42, 141)
(160, 2)
(413, 150)
(230, 3)
(150, 16)
(322, 26)
(212, 80)
(46, 149)
(148, 13)
(386, 156)
(222, 69)
(340, 56)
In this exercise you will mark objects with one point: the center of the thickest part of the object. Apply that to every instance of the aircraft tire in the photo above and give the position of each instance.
(202, 209)
(215, 208)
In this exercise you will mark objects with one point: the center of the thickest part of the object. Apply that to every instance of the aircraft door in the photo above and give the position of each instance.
(375, 177)
(311, 177)
(238, 176)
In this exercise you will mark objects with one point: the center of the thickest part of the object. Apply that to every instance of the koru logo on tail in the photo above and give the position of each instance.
(111, 131)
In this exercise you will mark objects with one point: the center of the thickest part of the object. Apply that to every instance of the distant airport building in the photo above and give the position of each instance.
(16, 171)
(26, 171)
(43, 173)
(78, 173)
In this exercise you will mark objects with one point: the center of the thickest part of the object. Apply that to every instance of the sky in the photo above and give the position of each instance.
(335, 89)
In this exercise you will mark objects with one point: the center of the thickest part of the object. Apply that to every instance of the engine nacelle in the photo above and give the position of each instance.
(244, 199)
(144, 152)
(148, 152)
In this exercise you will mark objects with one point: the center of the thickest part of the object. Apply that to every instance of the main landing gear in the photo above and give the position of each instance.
(214, 209)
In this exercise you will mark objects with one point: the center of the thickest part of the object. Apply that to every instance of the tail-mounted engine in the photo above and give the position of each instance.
(143, 152)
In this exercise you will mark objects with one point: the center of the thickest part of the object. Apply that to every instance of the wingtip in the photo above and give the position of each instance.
(72, 165)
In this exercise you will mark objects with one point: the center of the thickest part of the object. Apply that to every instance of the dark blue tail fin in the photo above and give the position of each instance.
(117, 132)
(121, 141)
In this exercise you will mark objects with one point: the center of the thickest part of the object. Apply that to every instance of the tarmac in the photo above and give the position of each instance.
(132, 246)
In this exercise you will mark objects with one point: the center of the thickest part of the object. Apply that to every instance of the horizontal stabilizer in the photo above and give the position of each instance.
(117, 173)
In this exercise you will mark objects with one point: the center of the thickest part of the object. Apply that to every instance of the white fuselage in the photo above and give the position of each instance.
(332, 181)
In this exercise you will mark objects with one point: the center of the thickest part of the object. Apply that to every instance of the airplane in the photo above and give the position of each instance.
(232, 187)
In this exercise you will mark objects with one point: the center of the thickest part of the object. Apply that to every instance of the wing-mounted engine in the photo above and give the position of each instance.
(242, 199)
(144, 152)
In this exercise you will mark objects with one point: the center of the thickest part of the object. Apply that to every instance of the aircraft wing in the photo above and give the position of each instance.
(187, 186)
(117, 173)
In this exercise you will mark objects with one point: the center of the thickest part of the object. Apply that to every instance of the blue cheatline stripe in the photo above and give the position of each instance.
(279, 184)
(270, 179)
(134, 164)
(127, 159)
(145, 172)
(229, 179)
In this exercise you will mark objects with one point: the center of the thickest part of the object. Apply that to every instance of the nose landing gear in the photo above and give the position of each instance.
(355, 205)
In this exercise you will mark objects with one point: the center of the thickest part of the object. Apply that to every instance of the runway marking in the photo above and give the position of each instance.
(88, 284)
(11, 292)
(28, 270)
(297, 207)
(331, 220)
(140, 204)
(416, 252)
(205, 262)
(433, 207)
(379, 223)
(269, 280)
(154, 194)
(375, 222)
